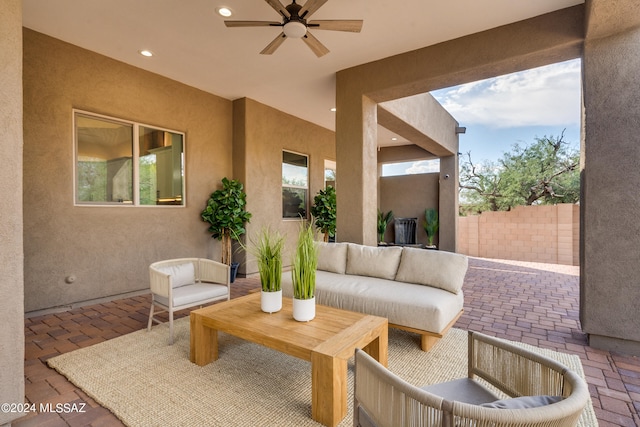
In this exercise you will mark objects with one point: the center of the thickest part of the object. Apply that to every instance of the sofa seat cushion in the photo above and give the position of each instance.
(373, 261)
(192, 294)
(441, 269)
(415, 306)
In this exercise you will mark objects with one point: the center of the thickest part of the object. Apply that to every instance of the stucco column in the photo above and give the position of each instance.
(11, 249)
(357, 167)
(610, 256)
(448, 204)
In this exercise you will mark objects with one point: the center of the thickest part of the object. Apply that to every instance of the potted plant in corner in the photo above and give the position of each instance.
(226, 214)
(303, 274)
(431, 226)
(268, 252)
(324, 212)
(383, 221)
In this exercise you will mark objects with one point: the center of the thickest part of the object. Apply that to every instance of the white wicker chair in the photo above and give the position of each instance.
(182, 283)
(381, 399)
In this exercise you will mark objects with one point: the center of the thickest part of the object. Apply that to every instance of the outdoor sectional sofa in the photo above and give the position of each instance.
(417, 290)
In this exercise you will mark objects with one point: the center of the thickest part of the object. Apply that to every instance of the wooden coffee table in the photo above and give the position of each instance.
(327, 341)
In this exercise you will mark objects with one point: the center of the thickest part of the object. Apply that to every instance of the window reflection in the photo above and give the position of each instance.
(104, 152)
(160, 167)
(295, 178)
(110, 169)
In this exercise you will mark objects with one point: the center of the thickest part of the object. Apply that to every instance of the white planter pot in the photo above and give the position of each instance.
(304, 309)
(271, 302)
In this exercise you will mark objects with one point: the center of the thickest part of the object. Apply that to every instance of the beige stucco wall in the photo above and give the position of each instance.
(610, 283)
(422, 120)
(261, 133)
(11, 258)
(546, 234)
(108, 249)
(408, 196)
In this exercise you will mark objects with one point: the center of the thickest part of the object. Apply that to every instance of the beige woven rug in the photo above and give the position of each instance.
(146, 382)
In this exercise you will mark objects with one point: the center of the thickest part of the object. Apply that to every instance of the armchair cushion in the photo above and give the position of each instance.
(193, 294)
(181, 274)
(464, 390)
(523, 402)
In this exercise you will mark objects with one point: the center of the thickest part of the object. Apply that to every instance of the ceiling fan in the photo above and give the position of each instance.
(295, 25)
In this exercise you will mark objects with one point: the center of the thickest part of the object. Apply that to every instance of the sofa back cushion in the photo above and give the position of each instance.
(332, 257)
(181, 274)
(373, 261)
(440, 269)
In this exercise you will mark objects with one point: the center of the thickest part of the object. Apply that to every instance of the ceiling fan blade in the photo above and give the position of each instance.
(314, 44)
(271, 47)
(310, 7)
(252, 24)
(353, 26)
(279, 8)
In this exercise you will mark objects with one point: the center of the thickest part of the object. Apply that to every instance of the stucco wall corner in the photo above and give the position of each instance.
(11, 249)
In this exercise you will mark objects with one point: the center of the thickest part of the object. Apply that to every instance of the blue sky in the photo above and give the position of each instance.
(514, 108)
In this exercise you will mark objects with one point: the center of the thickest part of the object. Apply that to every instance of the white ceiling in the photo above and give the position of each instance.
(192, 45)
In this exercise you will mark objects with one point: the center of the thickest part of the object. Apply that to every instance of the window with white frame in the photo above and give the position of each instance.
(113, 170)
(295, 185)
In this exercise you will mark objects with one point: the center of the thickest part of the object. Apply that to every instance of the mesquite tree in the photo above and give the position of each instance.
(545, 172)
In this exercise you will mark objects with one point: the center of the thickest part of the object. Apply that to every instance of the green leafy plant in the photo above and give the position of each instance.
(305, 261)
(431, 224)
(226, 214)
(383, 222)
(268, 252)
(324, 212)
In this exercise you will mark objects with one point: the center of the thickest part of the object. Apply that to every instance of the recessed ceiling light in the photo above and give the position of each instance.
(145, 52)
(224, 11)
(333, 109)
(394, 139)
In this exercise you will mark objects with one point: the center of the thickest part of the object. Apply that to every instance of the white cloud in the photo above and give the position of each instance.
(423, 166)
(545, 96)
(411, 168)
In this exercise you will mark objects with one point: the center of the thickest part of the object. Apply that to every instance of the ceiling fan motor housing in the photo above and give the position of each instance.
(294, 26)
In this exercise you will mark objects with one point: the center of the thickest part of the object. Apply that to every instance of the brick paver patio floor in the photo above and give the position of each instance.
(527, 302)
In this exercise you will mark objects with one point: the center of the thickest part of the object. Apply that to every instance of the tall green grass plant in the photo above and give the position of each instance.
(305, 261)
(268, 249)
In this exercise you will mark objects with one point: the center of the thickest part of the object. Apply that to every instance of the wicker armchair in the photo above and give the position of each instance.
(182, 283)
(543, 392)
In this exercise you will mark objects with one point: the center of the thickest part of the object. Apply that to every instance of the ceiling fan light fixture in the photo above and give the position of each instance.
(295, 29)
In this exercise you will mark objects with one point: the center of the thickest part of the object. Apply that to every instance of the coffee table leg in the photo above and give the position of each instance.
(328, 389)
(203, 342)
(379, 347)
